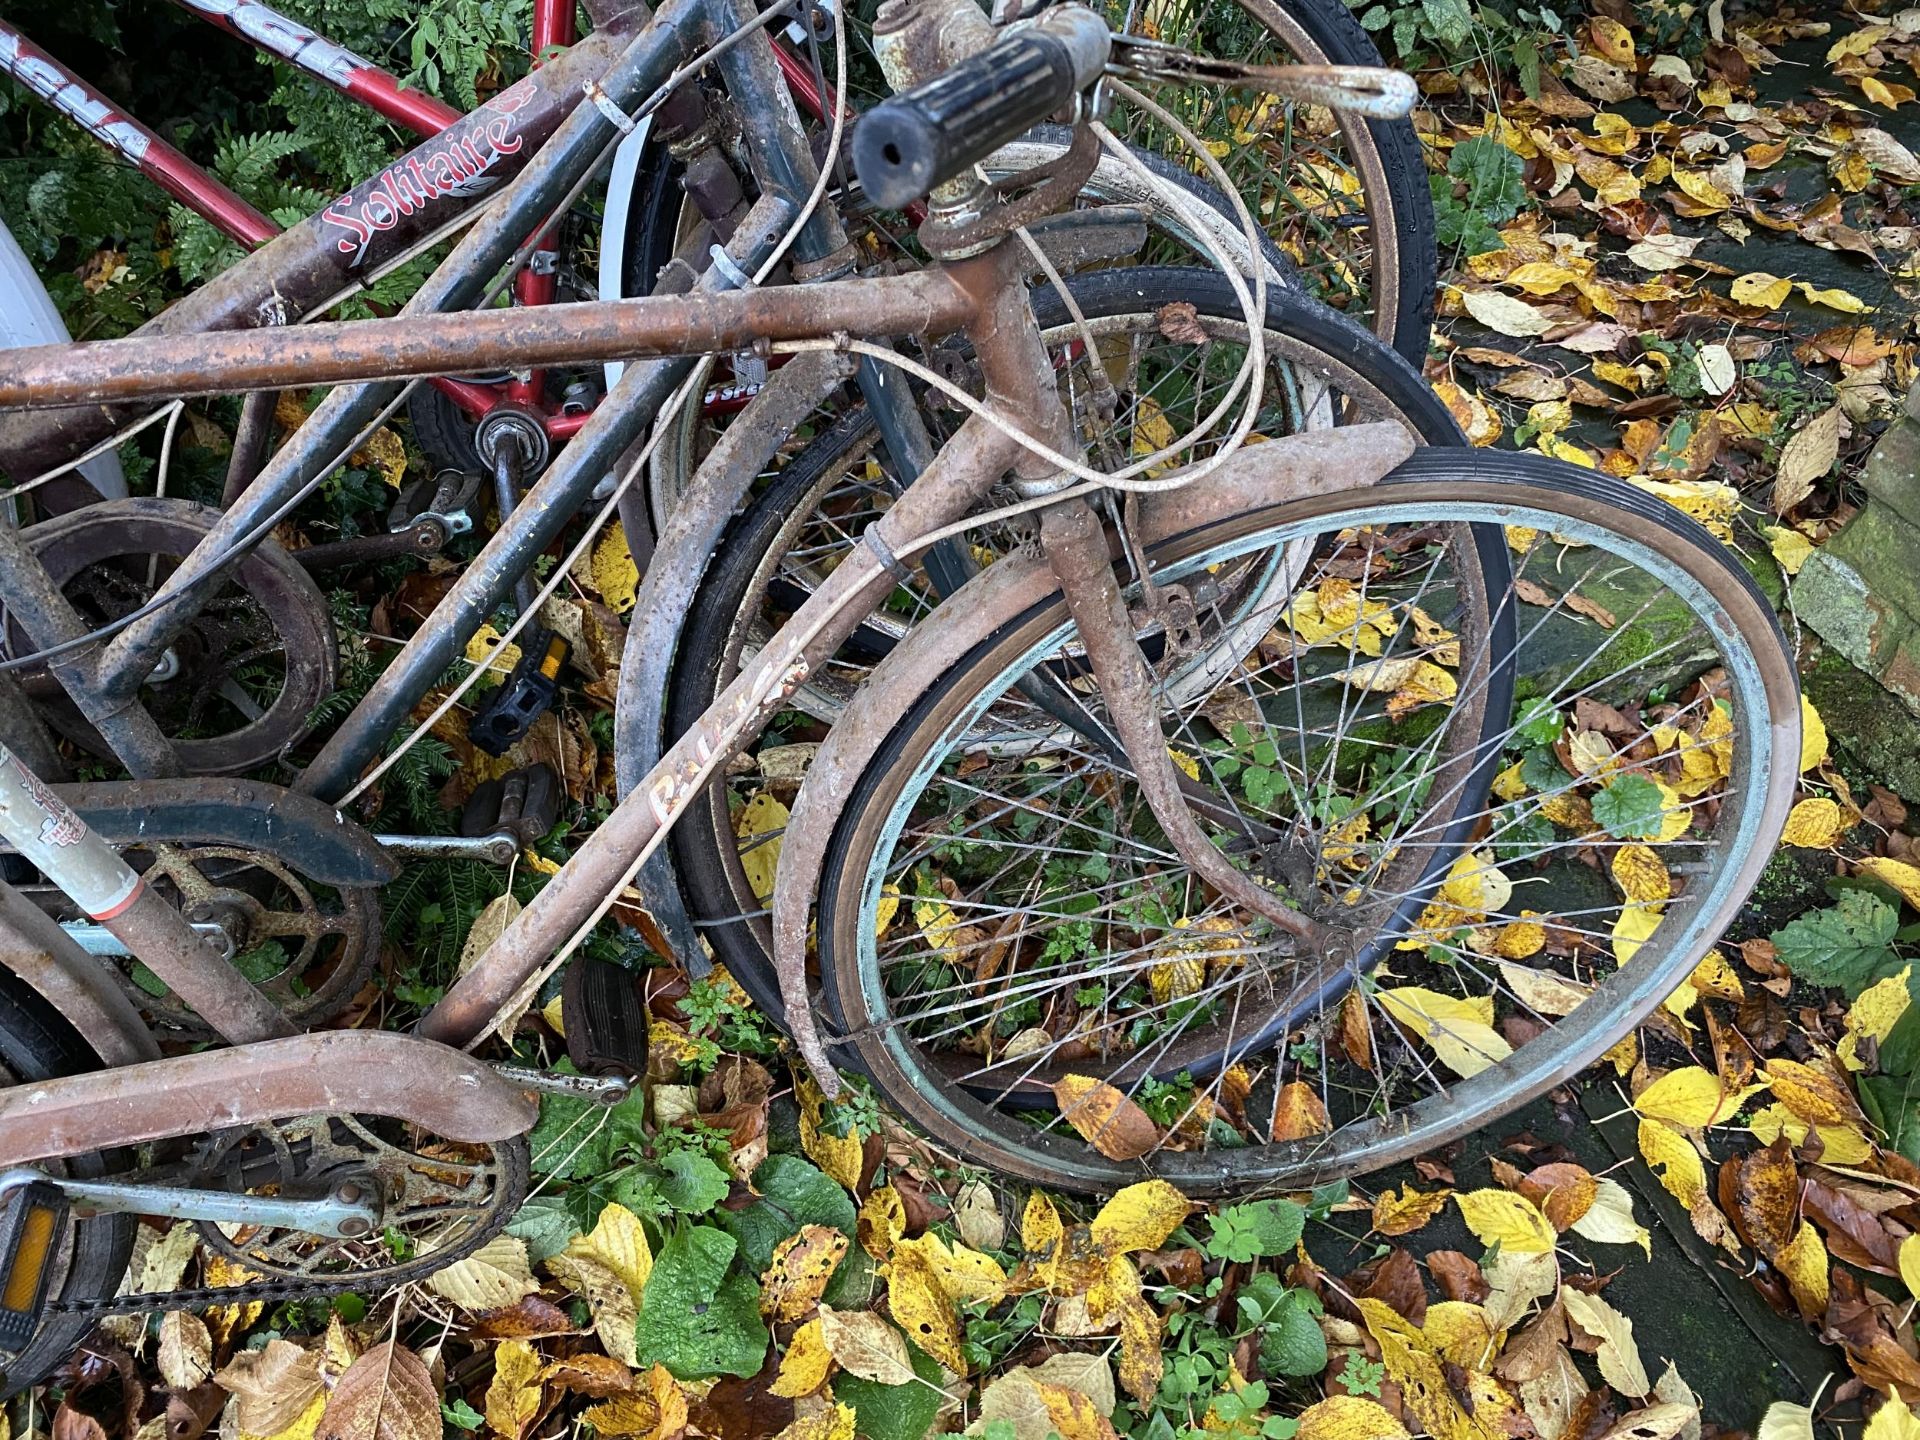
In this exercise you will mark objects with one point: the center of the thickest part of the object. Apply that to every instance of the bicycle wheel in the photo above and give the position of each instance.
(36, 1044)
(1003, 933)
(1346, 198)
(816, 507)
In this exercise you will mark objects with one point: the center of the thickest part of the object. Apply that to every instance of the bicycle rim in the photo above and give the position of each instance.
(1371, 1066)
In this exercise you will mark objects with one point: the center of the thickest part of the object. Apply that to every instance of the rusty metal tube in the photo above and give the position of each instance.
(963, 471)
(38, 605)
(163, 367)
(82, 987)
(616, 424)
(43, 828)
(348, 1072)
(1016, 368)
(1075, 544)
(460, 281)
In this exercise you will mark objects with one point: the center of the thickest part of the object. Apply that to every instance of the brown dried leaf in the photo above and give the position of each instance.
(1408, 1211)
(1564, 1191)
(1105, 1118)
(274, 1385)
(386, 1394)
(1298, 1112)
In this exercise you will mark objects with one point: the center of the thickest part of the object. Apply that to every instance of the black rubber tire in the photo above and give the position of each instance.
(704, 871)
(37, 1044)
(1342, 41)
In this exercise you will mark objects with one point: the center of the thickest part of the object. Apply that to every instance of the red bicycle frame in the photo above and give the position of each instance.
(363, 82)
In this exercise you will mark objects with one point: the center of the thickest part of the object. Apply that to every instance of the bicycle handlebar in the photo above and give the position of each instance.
(922, 137)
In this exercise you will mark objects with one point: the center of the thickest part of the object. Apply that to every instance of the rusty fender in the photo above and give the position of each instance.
(364, 1072)
(77, 985)
(673, 575)
(1260, 476)
(153, 367)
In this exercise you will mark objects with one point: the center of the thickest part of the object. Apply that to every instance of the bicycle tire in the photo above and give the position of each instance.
(702, 846)
(1329, 27)
(1628, 527)
(36, 1043)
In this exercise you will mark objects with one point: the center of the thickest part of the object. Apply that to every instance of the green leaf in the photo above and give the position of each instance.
(1452, 22)
(459, 1414)
(893, 1412)
(1538, 720)
(1494, 177)
(693, 1184)
(1526, 62)
(1362, 1376)
(696, 1318)
(577, 1139)
(792, 1193)
(1260, 1227)
(1294, 1344)
(1900, 1051)
(546, 1224)
(1892, 1102)
(720, 1336)
(1848, 944)
(1630, 808)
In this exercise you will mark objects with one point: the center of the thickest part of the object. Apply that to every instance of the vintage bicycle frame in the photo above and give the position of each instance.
(536, 129)
(367, 84)
(980, 295)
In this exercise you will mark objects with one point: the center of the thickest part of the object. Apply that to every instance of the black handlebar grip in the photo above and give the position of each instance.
(905, 146)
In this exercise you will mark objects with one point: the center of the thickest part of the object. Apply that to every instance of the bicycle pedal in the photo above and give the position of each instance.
(605, 1017)
(32, 1216)
(522, 698)
(523, 803)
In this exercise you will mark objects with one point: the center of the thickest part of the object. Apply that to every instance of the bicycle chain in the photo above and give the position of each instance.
(388, 1278)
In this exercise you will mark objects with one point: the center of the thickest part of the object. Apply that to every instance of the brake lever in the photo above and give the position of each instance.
(1368, 90)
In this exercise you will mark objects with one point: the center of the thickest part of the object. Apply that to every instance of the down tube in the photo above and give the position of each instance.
(964, 470)
(320, 257)
(615, 424)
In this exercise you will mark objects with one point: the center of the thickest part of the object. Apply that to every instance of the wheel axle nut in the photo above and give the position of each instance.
(354, 1226)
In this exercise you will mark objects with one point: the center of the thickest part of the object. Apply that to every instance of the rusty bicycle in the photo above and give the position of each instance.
(1230, 824)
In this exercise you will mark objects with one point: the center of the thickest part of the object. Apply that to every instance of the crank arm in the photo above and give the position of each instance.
(498, 848)
(349, 1213)
(595, 1089)
(425, 536)
(1368, 90)
(98, 940)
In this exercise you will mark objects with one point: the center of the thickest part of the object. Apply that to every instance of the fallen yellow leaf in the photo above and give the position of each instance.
(1815, 823)
(1511, 1221)
(1760, 290)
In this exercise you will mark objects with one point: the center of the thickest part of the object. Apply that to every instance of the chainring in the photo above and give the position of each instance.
(440, 1202)
(327, 946)
(242, 680)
